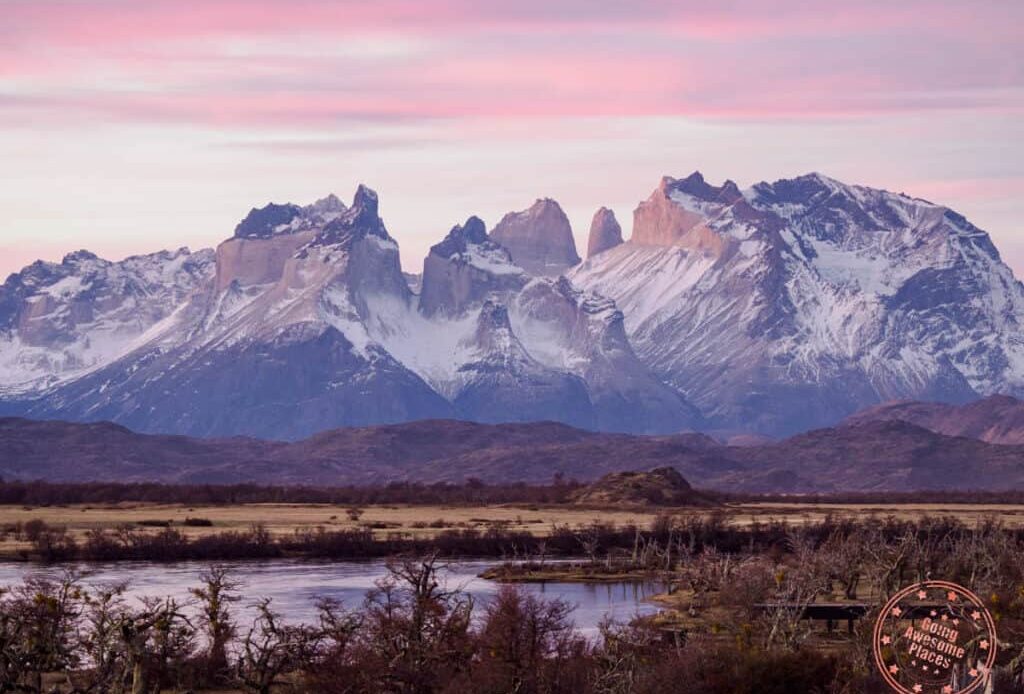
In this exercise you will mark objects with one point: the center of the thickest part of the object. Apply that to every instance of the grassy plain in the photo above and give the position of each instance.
(428, 520)
(282, 519)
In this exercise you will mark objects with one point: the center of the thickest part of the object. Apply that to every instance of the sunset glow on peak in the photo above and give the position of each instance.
(133, 121)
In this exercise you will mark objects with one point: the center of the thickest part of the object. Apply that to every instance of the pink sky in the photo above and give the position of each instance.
(131, 126)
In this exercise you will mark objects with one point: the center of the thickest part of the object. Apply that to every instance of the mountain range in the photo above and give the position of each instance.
(865, 453)
(773, 310)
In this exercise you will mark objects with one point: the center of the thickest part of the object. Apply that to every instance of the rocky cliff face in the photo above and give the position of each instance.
(502, 381)
(303, 321)
(685, 213)
(783, 307)
(276, 346)
(796, 303)
(276, 220)
(464, 269)
(59, 321)
(605, 232)
(583, 333)
(539, 238)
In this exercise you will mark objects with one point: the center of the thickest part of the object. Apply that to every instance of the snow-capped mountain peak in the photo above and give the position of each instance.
(777, 308)
(358, 221)
(60, 321)
(464, 269)
(786, 304)
(327, 207)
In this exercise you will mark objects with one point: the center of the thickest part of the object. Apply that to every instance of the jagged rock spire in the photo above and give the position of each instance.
(605, 232)
(539, 238)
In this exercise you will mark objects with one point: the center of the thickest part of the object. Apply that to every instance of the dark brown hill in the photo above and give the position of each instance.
(663, 486)
(877, 456)
(882, 456)
(995, 419)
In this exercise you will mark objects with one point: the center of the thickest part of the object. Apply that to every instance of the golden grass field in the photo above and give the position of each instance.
(282, 519)
(427, 520)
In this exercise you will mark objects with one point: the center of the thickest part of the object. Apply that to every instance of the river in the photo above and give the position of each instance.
(295, 585)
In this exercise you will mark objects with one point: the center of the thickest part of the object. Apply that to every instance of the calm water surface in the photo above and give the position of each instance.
(295, 586)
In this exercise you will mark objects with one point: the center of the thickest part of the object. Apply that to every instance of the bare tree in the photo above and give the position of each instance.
(216, 594)
(271, 649)
(153, 637)
(418, 629)
(888, 561)
(522, 643)
(798, 585)
(101, 641)
(590, 540)
(37, 631)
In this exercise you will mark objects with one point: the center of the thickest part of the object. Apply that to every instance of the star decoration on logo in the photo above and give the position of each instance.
(952, 605)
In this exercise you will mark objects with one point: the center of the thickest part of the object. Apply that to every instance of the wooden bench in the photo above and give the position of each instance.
(828, 612)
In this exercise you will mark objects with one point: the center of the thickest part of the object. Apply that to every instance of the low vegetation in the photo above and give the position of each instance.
(414, 634)
(737, 577)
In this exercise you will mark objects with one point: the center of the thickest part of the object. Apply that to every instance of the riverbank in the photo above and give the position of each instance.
(712, 589)
(573, 572)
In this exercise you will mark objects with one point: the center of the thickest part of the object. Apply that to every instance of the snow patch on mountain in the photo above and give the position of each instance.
(778, 308)
(432, 347)
(748, 302)
(341, 314)
(60, 321)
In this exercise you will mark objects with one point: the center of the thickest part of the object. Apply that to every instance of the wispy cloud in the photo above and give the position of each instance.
(158, 123)
(287, 64)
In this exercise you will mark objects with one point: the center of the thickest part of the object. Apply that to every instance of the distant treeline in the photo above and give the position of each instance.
(1012, 496)
(40, 493)
(471, 492)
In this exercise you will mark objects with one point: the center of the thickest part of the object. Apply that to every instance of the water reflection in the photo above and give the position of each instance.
(295, 586)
